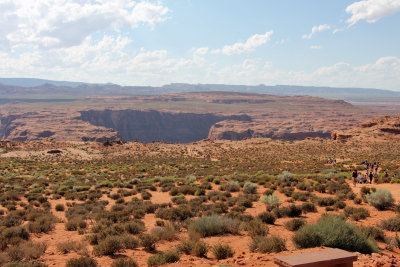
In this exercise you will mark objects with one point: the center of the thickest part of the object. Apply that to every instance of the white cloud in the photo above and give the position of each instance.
(315, 47)
(55, 23)
(315, 30)
(201, 51)
(372, 10)
(250, 45)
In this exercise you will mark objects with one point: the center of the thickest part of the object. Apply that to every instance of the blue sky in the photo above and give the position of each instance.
(313, 43)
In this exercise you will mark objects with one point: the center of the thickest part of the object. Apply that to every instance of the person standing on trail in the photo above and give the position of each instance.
(354, 175)
(370, 177)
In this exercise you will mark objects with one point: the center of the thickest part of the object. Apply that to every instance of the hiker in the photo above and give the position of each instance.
(354, 175)
(359, 178)
(370, 177)
(375, 177)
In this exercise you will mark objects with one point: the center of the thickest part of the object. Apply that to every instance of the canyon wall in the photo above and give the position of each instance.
(152, 125)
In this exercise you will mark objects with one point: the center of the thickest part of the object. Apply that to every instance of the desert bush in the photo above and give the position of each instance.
(167, 232)
(295, 224)
(68, 246)
(26, 250)
(357, 200)
(308, 207)
(200, 249)
(82, 262)
(268, 244)
(222, 251)
(333, 231)
(108, 246)
(231, 187)
(381, 199)
(186, 247)
(272, 201)
(391, 224)
(135, 227)
(356, 214)
(162, 258)
(15, 233)
(294, 211)
(213, 225)
(146, 195)
(129, 242)
(250, 188)
(124, 262)
(60, 207)
(267, 217)
(374, 233)
(256, 228)
(286, 176)
(326, 201)
(148, 241)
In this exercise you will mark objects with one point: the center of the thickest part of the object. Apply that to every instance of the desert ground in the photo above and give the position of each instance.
(182, 204)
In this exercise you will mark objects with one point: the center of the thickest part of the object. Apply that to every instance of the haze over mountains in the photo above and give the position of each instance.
(12, 89)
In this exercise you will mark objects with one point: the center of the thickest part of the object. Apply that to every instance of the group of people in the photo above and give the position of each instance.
(371, 174)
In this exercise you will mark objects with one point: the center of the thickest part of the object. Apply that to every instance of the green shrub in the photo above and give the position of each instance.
(108, 246)
(381, 199)
(213, 225)
(374, 233)
(333, 231)
(200, 249)
(68, 246)
(148, 241)
(294, 211)
(267, 217)
(26, 250)
(14, 233)
(129, 242)
(222, 251)
(256, 228)
(268, 244)
(135, 227)
(272, 201)
(326, 201)
(60, 207)
(295, 224)
(391, 224)
(250, 188)
(186, 247)
(122, 262)
(82, 262)
(162, 258)
(286, 176)
(308, 207)
(356, 214)
(167, 232)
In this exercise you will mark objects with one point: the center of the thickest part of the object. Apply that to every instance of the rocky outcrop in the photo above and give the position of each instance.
(386, 128)
(37, 126)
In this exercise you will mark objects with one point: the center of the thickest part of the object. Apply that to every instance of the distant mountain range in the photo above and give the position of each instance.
(27, 88)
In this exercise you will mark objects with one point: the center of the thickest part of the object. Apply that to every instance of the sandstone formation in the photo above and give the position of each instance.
(178, 118)
(385, 128)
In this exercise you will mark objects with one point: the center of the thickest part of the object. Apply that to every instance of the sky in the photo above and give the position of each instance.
(337, 43)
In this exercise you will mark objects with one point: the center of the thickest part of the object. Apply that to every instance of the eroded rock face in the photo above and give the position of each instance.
(36, 126)
(148, 126)
(386, 128)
